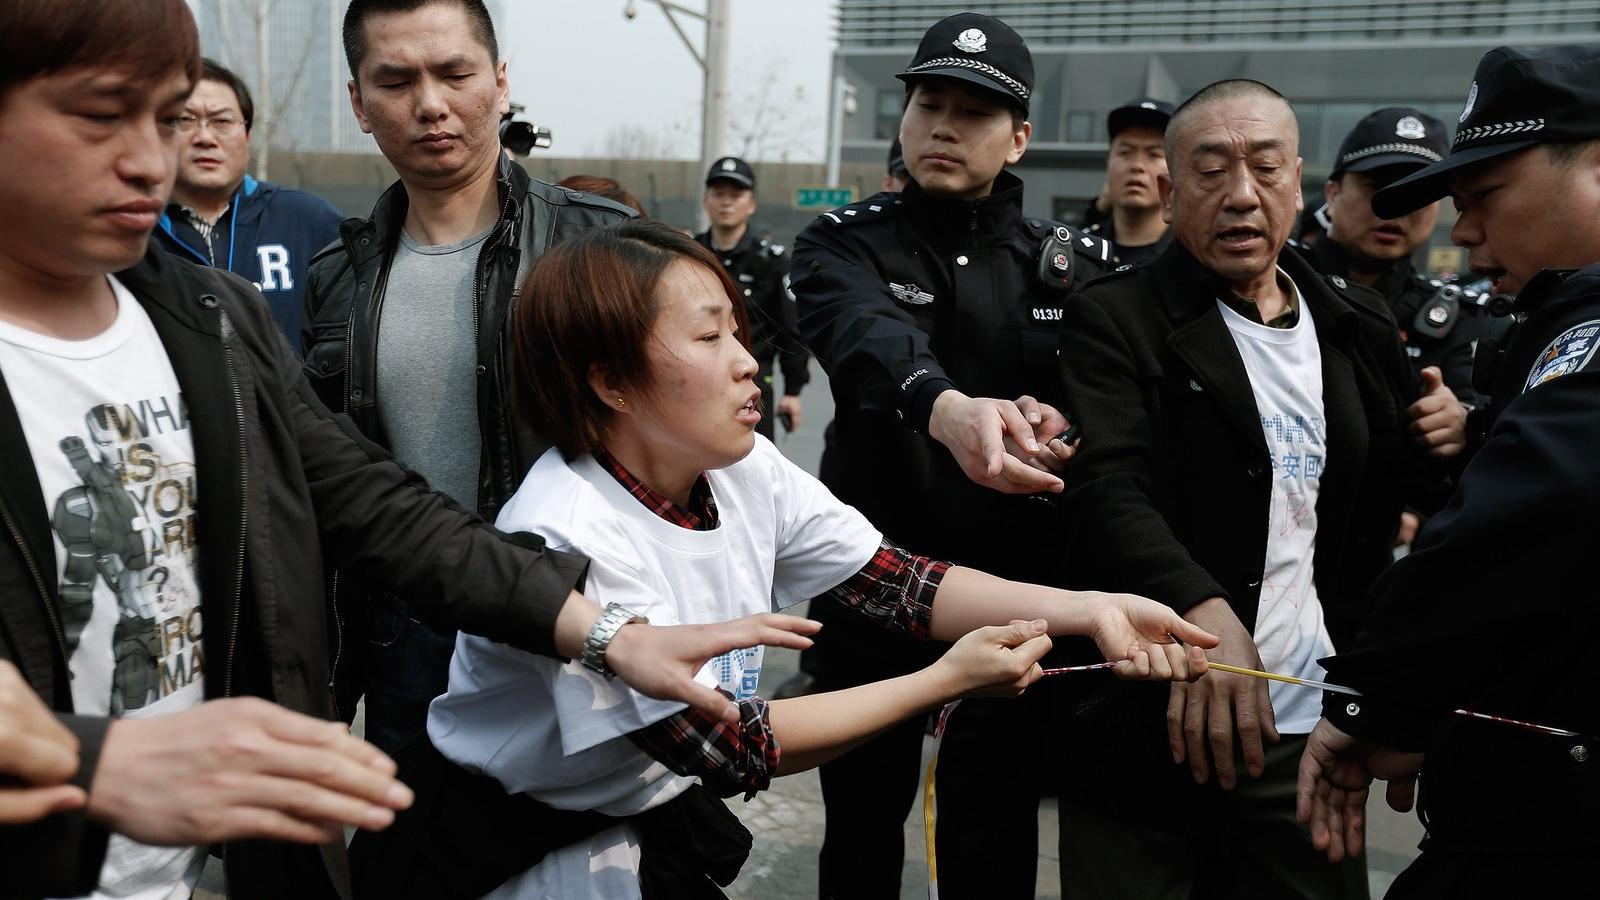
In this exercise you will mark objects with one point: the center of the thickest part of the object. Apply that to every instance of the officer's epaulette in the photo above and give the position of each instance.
(874, 207)
(1098, 249)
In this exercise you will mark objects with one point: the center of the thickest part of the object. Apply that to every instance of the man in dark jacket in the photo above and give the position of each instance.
(220, 216)
(1245, 432)
(406, 315)
(169, 467)
(1509, 808)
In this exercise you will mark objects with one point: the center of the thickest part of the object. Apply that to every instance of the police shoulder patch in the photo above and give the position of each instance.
(875, 207)
(1569, 352)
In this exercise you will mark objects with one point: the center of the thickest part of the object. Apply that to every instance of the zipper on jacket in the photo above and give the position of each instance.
(244, 506)
(338, 641)
(44, 592)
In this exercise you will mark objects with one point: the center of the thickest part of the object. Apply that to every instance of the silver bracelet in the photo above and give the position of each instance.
(599, 640)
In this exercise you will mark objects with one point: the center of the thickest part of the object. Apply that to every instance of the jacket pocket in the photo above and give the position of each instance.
(326, 360)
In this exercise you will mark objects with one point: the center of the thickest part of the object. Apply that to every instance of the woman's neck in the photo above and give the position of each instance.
(658, 471)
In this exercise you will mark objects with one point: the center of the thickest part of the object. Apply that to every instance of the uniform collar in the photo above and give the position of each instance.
(744, 244)
(995, 217)
(1333, 258)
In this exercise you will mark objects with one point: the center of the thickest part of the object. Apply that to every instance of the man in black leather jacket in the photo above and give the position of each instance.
(406, 312)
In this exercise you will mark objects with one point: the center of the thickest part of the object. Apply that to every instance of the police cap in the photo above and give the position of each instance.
(1145, 112)
(734, 169)
(1518, 98)
(977, 49)
(1392, 136)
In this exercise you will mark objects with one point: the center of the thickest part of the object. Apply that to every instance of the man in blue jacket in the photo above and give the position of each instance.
(220, 216)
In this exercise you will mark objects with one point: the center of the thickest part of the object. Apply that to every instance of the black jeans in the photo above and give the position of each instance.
(408, 664)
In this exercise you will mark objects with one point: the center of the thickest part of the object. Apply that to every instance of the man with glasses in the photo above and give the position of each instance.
(220, 216)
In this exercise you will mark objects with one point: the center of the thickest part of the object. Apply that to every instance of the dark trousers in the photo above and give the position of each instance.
(1149, 831)
(408, 664)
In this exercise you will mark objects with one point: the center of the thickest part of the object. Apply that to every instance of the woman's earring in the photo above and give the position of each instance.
(620, 403)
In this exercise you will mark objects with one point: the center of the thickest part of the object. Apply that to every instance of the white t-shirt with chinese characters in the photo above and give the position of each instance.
(558, 732)
(1285, 369)
(109, 434)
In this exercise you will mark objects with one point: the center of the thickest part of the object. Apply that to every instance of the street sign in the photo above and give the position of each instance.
(821, 196)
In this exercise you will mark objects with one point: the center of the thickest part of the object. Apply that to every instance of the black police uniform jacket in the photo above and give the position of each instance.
(760, 269)
(1438, 320)
(904, 295)
(1169, 492)
(1495, 609)
(284, 484)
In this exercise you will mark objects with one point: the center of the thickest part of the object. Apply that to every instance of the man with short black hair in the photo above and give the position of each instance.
(1246, 452)
(1135, 162)
(220, 216)
(1510, 788)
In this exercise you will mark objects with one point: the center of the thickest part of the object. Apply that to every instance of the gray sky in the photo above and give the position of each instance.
(584, 71)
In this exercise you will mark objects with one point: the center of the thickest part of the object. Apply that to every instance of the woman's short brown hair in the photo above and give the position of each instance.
(145, 38)
(590, 302)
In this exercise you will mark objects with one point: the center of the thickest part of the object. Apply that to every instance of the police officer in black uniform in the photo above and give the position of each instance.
(934, 312)
(760, 268)
(1135, 161)
(1439, 320)
(1509, 809)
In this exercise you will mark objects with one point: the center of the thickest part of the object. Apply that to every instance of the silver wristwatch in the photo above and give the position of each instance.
(599, 640)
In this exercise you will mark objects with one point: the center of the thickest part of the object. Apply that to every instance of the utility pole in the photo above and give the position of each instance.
(713, 62)
(264, 92)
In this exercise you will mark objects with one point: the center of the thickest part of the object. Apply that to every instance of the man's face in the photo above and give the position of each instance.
(430, 95)
(1134, 165)
(1233, 192)
(1524, 212)
(1358, 229)
(87, 159)
(729, 204)
(957, 138)
(218, 148)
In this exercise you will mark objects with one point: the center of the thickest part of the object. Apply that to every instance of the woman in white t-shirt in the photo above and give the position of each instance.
(632, 362)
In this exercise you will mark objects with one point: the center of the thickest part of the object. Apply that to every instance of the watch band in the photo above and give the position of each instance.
(600, 634)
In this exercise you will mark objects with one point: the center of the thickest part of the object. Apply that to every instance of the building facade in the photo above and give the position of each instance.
(1336, 61)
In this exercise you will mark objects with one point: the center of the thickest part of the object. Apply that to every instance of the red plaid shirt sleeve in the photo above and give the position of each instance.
(895, 590)
(728, 759)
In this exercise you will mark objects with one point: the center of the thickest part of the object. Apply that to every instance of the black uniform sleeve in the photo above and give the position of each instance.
(1109, 482)
(60, 855)
(848, 317)
(793, 357)
(1500, 574)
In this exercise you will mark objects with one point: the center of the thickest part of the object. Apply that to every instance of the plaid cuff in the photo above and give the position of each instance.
(728, 759)
(895, 590)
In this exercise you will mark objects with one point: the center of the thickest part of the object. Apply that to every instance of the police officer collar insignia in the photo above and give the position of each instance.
(1410, 128)
(1472, 98)
(1569, 352)
(972, 40)
(910, 294)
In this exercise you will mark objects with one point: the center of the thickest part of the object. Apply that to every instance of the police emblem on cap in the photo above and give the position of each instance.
(972, 40)
(1147, 105)
(729, 165)
(1410, 128)
(1472, 97)
(1568, 353)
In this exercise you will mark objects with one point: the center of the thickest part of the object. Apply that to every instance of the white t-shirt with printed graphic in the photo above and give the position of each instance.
(1285, 369)
(109, 435)
(558, 732)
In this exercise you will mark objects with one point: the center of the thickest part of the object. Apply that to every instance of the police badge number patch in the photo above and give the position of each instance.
(1568, 353)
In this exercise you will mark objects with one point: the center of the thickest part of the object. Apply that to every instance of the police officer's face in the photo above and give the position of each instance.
(87, 159)
(1358, 228)
(1133, 166)
(703, 405)
(1526, 212)
(729, 204)
(430, 94)
(957, 138)
(219, 144)
(1233, 192)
